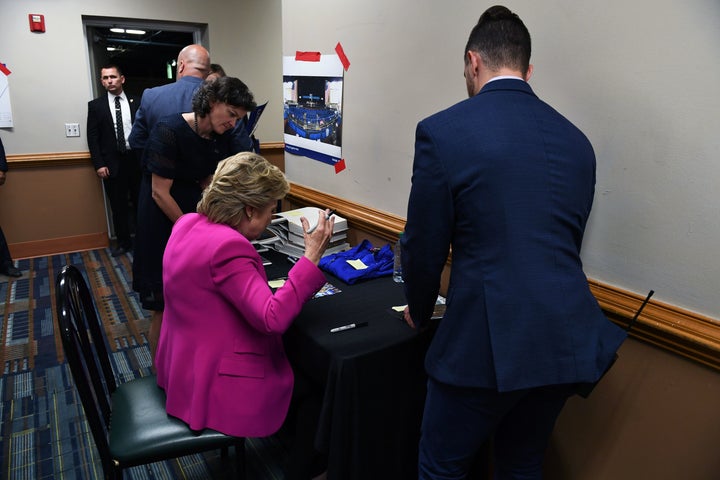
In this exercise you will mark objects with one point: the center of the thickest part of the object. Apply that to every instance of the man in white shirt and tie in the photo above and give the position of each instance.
(109, 122)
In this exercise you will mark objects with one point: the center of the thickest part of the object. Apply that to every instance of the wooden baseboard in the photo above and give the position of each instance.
(56, 246)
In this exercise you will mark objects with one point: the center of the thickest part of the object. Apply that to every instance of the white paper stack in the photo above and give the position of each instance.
(288, 228)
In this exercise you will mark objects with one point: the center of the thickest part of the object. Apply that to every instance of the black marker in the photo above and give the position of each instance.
(327, 217)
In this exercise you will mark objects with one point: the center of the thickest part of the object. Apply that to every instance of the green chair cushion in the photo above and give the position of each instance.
(142, 432)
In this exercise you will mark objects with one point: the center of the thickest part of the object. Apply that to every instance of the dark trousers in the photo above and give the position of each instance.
(304, 461)
(122, 191)
(5, 258)
(458, 423)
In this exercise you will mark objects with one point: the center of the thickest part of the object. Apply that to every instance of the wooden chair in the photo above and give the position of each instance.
(127, 421)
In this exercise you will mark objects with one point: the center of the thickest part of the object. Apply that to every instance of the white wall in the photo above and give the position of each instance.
(640, 78)
(51, 83)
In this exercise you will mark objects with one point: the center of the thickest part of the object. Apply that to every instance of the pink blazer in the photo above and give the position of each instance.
(220, 357)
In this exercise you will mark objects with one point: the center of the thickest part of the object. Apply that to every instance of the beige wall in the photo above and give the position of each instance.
(53, 209)
(654, 416)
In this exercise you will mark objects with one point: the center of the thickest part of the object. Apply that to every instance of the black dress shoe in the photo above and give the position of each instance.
(11, 271)
(116, 252)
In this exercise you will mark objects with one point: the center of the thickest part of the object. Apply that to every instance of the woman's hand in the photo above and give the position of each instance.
(317, 241)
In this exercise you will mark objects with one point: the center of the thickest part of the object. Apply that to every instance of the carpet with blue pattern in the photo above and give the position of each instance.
(43, 431)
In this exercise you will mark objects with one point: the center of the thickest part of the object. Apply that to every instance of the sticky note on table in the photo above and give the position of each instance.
(357, 264)
(277, 283)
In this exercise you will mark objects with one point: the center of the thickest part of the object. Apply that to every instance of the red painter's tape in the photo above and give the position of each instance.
(343, 58)
(307, 56)
(340, 166)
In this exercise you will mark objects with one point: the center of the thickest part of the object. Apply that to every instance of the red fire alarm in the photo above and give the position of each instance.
(37, 22)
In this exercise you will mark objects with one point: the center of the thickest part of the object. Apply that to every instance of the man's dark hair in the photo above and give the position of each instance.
(218, 69)
(228, 90)
(112, 65)
(501, 39)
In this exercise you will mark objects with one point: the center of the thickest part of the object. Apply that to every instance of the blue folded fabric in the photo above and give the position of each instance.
(379, 263)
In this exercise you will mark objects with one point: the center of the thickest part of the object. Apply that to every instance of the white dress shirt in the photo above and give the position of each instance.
(125, 107)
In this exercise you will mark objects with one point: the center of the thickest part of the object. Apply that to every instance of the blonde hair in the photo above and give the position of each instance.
(245, 179)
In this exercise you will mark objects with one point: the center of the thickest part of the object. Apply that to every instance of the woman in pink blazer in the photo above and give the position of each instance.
(220, 356)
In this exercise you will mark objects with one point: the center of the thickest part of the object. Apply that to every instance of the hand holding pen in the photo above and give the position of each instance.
(318, 236)
(328, 214)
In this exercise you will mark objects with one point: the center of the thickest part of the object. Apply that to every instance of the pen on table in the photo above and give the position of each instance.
(349, 326)
(327, 217)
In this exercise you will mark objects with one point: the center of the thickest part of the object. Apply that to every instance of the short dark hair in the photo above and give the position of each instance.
(111, 65)
(228, 90)
(501, 39)
(218, 69)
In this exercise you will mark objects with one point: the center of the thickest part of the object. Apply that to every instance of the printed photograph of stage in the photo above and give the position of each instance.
(313, 108)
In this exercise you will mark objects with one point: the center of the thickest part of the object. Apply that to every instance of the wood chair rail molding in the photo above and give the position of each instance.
(361, 217)
(65, 159)
(272, 146)
(681, 331)
(42, 160)
(675, 329)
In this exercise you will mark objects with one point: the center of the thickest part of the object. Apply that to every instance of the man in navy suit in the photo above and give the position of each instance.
(506, 184)
(193, 66)
(111, 155)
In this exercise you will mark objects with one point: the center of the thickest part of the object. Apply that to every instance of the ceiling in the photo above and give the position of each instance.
(139, 56)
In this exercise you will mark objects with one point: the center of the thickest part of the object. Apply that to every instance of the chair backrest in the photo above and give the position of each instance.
(86, 352)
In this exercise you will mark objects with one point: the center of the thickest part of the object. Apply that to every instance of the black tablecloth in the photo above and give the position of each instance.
(374, 377)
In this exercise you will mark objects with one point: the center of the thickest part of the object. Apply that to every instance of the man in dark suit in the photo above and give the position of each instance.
(506, 182)
(110, 151)
(193, 66)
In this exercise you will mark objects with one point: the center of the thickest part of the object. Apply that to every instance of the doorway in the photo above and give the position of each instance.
(145, 50)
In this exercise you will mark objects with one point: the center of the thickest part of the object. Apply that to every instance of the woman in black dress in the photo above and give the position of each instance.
(178, 161)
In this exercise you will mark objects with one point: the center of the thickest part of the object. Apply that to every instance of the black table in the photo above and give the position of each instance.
(374, 377)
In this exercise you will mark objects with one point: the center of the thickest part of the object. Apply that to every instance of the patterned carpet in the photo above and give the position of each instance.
(43, 432)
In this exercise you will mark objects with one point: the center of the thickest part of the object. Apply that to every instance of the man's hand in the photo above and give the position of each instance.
(103, 172)
(407, 318)
(3, 176)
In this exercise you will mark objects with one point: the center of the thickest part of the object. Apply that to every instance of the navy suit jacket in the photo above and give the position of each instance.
(158, 102)
(101, 137)
(508, 183)
(3, 159)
